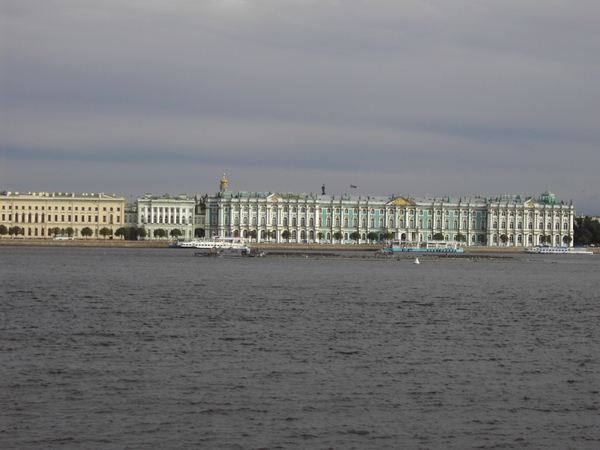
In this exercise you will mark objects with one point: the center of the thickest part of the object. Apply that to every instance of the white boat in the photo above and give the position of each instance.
(558, 251)
(442, 247)
(218, 243)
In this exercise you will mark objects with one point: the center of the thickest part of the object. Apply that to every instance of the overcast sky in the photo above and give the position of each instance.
(420, 98)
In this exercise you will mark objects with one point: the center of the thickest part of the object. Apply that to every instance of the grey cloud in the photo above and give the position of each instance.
(357, 88)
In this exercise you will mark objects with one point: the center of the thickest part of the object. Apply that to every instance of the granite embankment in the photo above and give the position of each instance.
(118, 243)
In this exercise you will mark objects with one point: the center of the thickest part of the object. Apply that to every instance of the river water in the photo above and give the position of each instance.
(154, 348)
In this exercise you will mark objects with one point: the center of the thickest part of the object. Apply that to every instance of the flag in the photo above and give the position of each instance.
(352, 186)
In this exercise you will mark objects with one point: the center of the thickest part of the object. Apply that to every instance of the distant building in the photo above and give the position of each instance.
(286, 217)
(166, 213)
(38, 213)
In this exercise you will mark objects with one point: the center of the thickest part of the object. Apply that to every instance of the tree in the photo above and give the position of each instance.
(105, 232)
(175, 233)
(69, 231)
(55, 231)
(372, 236)
(355, 236)
(338, 236)
(141, 232)
(503, 238)
(586, 231)
(438, 237)
(16, 230)
(122, 232)
(320, 236)
(545, 239)
(160, 233)
(3, 230)
(87, 232)
(133, 234)
(388, 235)
(286, 235)
(567, 240)
(253, 234)
(460, 237)
(482, 239)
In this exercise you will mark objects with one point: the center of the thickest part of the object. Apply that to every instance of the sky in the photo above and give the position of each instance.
(411, 98)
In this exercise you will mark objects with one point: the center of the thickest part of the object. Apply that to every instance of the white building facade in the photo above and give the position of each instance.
(310, 218)
(37, 214)
(166, 213)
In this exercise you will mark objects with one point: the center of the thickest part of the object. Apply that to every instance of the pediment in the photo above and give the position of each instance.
(401, 201)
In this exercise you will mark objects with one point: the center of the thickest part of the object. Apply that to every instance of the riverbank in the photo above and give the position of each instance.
(118, 243)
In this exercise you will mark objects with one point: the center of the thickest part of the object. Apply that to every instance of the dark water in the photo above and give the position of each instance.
(153, 348)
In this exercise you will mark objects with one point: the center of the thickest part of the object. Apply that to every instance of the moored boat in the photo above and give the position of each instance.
(229, 243)
(558, 251)
(441, 247)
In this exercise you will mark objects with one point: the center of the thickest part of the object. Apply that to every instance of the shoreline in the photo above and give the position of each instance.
(118, 243)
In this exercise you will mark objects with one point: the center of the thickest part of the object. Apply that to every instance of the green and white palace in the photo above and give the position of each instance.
(507, 220)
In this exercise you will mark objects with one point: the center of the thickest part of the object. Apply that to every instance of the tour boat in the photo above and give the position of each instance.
(217, 243)
(442, 247)
(558, 251)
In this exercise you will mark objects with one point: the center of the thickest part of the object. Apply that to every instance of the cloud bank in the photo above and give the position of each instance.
(418, 97)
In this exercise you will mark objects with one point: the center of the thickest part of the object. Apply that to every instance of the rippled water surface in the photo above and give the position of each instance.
(154, 348)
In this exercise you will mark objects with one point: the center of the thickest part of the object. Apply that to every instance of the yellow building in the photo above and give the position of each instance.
(38, 214)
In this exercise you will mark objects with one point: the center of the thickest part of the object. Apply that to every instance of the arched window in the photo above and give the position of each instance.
(302, 221)
(285, 221)
(337, 221)
(328, 222)
(345, 221)
(311, 222)
(293, 221)
(429, 223)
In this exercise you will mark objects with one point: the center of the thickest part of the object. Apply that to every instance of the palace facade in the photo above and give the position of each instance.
(311, 218)
(513, 221)
(166, 213)
(38, 213)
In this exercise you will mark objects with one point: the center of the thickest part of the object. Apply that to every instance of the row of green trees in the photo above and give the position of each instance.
(87, 232)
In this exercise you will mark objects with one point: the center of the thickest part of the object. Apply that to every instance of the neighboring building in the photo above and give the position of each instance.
(506, 220)
(38, 213)
(166, 212)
